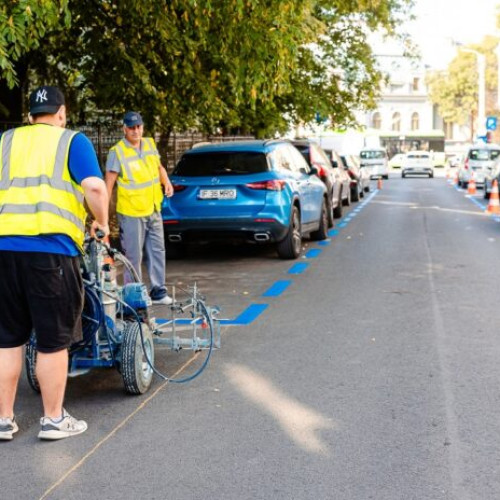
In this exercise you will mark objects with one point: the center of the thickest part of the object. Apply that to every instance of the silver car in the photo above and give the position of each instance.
(417, 163)
(479, 161)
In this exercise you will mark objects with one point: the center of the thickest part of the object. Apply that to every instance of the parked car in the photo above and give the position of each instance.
(314, 155)
(396, 160)
(256, 191)
(455, 161)
(344, 177)
(417, 163)
(360, 178)
(439, 159)
(478, 160)
(375, 162)
(490, 176)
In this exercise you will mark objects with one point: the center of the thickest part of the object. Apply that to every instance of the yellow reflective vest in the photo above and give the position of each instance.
(37, 194)
(139, 192)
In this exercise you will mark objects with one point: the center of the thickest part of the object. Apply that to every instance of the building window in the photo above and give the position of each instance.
(416, 84)
(377, 120)
(396, 122)
(448, 130)
(415, 125)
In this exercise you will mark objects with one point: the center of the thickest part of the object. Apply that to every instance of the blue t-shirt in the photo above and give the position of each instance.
(82, 164)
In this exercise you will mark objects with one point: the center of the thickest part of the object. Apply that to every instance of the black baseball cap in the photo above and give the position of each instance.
(46, 99)
(132, 118)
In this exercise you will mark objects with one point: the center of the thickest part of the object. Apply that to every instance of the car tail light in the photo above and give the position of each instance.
(170, 222)
(321, 169)
(273, 185)
(178, 187)
(265, 220)
(466, 164)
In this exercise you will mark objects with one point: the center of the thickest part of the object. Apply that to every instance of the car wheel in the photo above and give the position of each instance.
(322, 232)
(431, 176)
(367, 188)
(355, 193)
(175, 251)
(337, 211)
(386, 177)
(291, 246)
(347, 201)
(486, 195)
(330, 212)
(403, 176)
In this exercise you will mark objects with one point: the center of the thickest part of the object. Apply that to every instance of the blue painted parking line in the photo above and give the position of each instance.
(333, 232)
(324, 243)
(312, 253)
(251, 313)
(342, 224)
(298, 268)
(277, 288)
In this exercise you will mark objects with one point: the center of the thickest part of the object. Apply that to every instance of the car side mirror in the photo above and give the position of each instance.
(313, 170)
(334, 164)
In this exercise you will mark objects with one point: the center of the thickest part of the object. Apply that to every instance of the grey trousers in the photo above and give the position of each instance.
(143, 237)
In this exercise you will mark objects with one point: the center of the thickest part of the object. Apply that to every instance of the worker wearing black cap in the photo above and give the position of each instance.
(46, 173)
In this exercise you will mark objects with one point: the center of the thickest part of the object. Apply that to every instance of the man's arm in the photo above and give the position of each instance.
(110, 179)
(96, 196)
(165, 181)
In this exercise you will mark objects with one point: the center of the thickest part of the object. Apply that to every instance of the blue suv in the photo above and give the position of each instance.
(256, 191)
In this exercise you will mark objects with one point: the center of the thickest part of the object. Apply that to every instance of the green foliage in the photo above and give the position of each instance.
(23, 24)
(455, 91)
(251, 65)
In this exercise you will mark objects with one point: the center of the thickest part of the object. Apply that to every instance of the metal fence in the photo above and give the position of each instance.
(104, 136)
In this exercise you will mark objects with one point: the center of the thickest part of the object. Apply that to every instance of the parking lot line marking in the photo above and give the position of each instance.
(251, 313)
(312, 253)
(333, 232)
(298, 268)
(277, 288)
(343, 224)
(324, 243)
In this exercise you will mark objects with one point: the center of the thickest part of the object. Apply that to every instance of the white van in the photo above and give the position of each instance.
(375, 160)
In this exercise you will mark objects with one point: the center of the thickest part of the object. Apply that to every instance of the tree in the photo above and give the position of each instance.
(23, 24)
(455, 91)
(254, 66)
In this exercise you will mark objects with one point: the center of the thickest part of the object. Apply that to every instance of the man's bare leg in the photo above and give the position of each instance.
(52, 373)
(11, 363)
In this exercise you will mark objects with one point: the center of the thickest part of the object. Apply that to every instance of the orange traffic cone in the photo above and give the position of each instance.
(493, 204)
(379, 183)
(471, 188)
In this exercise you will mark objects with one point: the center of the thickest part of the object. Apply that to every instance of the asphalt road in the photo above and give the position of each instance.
(373, 375)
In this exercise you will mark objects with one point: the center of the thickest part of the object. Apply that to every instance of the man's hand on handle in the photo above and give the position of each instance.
(99, 231)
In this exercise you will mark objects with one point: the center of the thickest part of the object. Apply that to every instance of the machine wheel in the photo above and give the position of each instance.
(291, 246)
(30, 361)
(136, 372)
(337, 211)
(322, 232)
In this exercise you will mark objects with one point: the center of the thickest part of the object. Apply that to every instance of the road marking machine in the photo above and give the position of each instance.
(119, 330)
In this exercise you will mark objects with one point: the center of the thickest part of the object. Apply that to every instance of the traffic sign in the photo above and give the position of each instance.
(491, 123)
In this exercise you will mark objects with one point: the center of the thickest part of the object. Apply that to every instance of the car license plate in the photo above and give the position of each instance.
(217, 194)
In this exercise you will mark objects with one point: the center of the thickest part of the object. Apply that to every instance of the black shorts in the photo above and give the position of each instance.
(40, 292)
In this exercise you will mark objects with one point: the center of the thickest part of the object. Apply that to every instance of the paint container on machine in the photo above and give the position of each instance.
(110, 287)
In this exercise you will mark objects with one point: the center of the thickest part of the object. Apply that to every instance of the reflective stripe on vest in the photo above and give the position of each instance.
(37, 195)
(139, 190)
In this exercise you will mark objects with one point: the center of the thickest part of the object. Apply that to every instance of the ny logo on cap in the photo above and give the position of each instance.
(41, 95)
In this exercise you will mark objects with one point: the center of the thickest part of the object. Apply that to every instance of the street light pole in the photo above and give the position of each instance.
(481, 105)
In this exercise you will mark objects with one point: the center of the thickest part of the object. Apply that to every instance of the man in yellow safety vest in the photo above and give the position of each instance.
(134, 165)
(46, 172)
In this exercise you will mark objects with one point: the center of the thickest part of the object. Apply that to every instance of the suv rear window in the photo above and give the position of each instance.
(484, 154)
(371, 155)
(224, 163)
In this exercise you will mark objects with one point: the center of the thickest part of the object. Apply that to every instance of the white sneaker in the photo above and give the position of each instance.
(165, 301)
(67, 427)
(8, 428)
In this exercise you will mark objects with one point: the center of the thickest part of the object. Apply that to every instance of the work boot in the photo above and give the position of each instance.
(8, 428)
(61, 428)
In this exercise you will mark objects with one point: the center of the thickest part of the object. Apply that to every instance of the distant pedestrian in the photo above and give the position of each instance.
(134, 164)
(46, 172)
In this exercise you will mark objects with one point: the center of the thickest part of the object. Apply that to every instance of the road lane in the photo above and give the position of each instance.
(373, 375)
